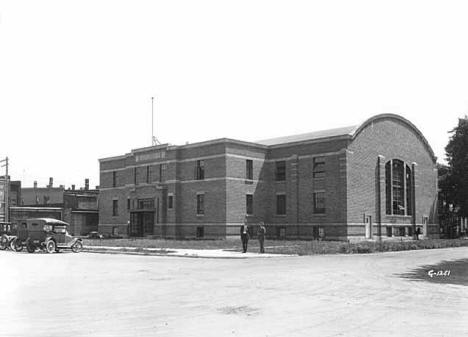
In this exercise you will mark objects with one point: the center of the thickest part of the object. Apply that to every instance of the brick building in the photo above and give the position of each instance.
(377, 179)
(77, 207)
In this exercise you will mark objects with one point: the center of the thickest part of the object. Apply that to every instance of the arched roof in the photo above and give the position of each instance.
(399, 118)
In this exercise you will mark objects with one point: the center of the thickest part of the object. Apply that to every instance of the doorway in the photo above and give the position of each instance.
(368, 223)
(141, 223)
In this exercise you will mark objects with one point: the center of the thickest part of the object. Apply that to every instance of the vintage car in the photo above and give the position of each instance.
(47, 234)
(6, 235)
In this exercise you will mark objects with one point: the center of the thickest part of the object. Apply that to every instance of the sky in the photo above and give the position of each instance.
(77, 77)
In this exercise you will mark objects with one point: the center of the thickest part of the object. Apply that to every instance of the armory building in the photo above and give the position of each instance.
(375, 180)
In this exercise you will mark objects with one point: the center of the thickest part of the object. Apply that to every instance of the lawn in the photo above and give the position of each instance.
(282, 246)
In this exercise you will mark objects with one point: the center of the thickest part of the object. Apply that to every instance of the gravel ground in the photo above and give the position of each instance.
(328, 295)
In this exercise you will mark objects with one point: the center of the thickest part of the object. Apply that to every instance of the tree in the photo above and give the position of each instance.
(455, 182)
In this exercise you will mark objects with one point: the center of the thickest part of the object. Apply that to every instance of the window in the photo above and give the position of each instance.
(170, 201)
(200, 204)
(319, 167)
(135, 175)
(389, 231)
(398, 187)
(319, 202)
(200, 170)
(148, 174)
(281, 204)
(281, 232)
(200, 232)
(145, 203)
(162, 172)
(249, 169)
(114, 178)
(280, 170)
(128, 203)
(115, 207)
(249, 204)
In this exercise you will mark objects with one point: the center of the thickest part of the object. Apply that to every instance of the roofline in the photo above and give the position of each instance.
(185, 146)
(221, 141)
(401, 119)
(123, 156)
(311, 141)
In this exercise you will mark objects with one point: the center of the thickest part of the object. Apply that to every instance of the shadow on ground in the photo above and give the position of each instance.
(447, 272)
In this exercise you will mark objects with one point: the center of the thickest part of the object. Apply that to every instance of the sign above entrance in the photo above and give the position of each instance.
(150, 156)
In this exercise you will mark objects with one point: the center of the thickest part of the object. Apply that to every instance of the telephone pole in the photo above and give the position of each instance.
(6, 190)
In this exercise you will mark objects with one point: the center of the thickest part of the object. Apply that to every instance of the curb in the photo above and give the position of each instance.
(190, 253)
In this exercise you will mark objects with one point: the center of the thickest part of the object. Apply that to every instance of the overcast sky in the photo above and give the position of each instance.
(76, 77)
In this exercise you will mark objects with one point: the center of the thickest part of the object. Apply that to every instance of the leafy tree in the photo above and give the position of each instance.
(455, 180)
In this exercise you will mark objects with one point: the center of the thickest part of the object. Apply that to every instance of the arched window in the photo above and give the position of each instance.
(398, 187)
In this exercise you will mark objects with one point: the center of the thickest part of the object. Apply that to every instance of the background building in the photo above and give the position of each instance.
(79, 208)
(375, 180)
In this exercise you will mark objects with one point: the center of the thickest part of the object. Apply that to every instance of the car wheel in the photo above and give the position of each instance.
(30, 248)
(16, 245)
(50, 246)
(77, 247)
(4, 242)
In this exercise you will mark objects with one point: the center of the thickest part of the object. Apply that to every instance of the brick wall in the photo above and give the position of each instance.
(392, 139)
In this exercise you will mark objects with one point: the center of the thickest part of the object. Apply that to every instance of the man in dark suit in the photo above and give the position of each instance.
(244, 233)
(261, 236)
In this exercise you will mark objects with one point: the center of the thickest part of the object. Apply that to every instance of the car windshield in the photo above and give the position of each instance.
(60, 229)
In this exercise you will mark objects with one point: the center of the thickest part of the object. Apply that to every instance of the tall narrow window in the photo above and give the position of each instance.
(398, 188)
(249, 169)
(170, 201)
(148, 174)
(200, 204)
(398, 204)
(280, 173)
(319, 167)
(249, 204)
(162, 172)
(281, 204)
(114, 178)
(128, 203)
(200, 170)
(115, 207)
(319, 202)
(134, 175)
(388, 188)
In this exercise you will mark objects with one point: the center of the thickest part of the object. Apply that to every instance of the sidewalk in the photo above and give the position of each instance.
(194, 253)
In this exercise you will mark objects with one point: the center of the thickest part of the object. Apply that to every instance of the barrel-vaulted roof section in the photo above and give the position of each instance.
(350, 132)
(403, 121)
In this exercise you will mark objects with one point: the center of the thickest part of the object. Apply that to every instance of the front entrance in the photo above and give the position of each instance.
(141, 223)
(368, 220)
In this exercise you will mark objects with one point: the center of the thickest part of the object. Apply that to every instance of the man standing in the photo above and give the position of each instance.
(261, 236)
(244, 233)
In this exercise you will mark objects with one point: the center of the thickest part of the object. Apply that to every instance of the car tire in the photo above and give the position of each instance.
(77, 247)
(51, 246)
(16, 245)
(30, 248)
(4, 242)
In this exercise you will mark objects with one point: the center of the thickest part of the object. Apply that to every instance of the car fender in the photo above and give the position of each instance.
(75, 240)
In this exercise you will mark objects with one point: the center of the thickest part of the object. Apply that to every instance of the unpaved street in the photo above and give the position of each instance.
(123, 295)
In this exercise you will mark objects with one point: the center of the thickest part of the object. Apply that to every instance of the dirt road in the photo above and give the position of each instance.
(121, 295)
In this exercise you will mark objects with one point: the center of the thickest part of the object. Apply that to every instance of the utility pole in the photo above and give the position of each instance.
(6, 187)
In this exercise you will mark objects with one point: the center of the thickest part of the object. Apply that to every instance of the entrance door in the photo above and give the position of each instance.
(141, 224)
(368, 227)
